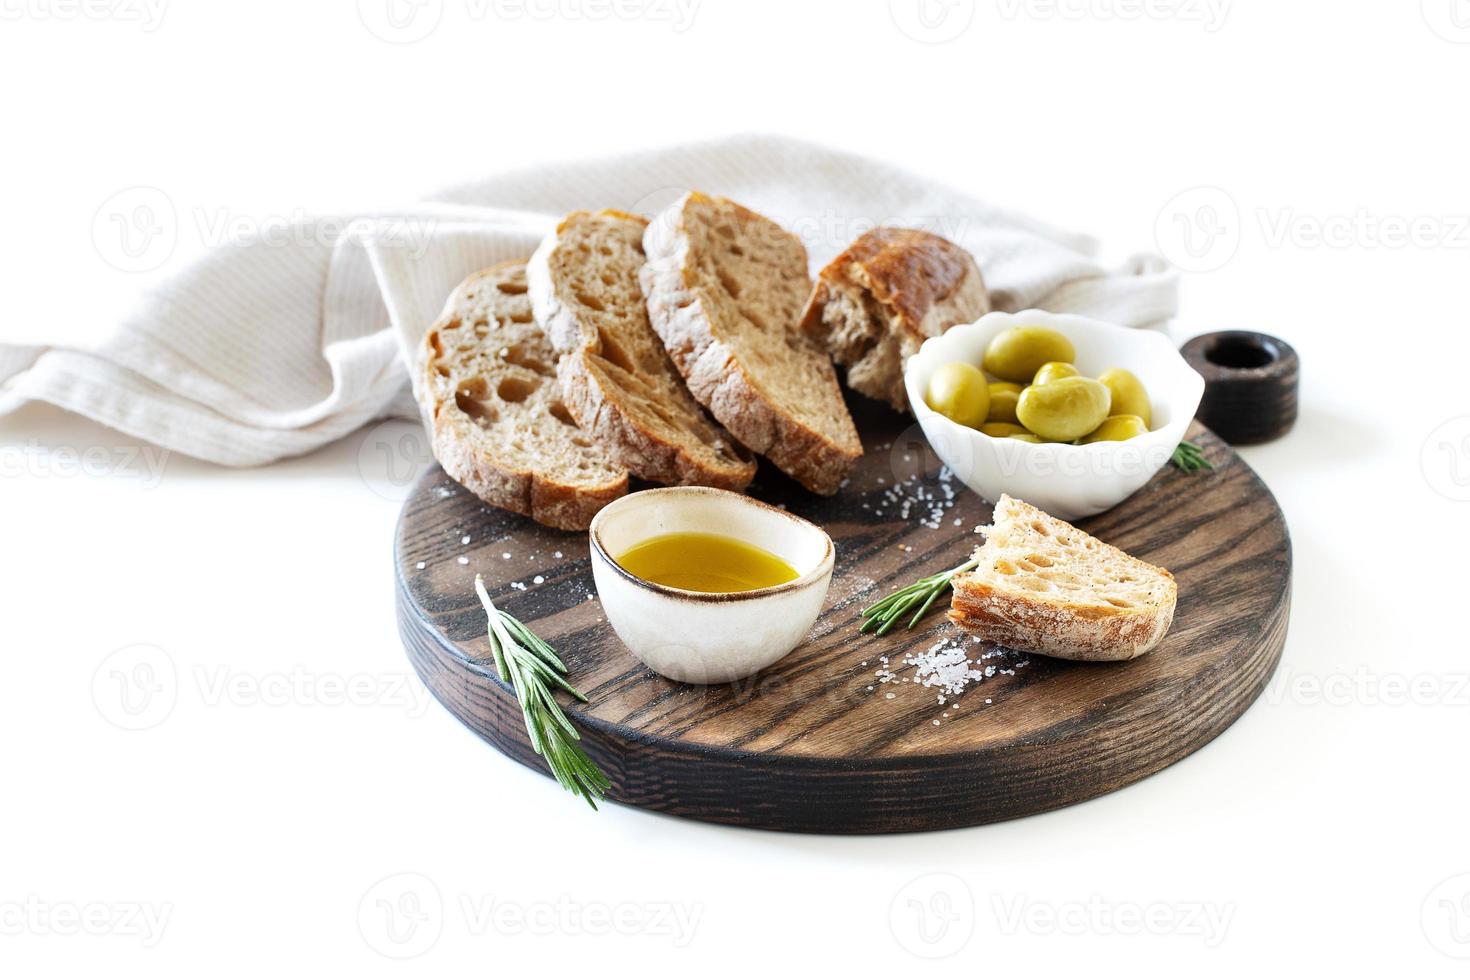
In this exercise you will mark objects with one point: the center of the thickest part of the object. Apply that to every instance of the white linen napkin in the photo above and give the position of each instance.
(273, 347)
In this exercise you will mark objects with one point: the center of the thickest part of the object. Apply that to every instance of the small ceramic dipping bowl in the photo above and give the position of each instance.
(709, 637)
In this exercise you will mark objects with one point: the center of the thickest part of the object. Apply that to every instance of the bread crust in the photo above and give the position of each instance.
(1057, 631)
(1056, 624)
(682, 312)
(600, 404)
(888, 292)
(466, 451)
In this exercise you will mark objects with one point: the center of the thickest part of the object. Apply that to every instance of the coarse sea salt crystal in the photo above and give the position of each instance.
(463, 560)
(420, 565)
(538, 580)
(465, 539)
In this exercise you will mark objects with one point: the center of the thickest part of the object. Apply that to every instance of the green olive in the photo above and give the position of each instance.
(1003, 395)
(1016, 354)
(1054, 371)
(1117, 428)
(958, 392)
(1064, 410)
(1129, 395)
(1003, 430)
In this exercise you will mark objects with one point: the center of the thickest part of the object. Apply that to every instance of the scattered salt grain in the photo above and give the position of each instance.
(419, 566)
(518, 586)
(463, 560)
(556, 554)
(505, 555)
(538, 580)
(465, 539)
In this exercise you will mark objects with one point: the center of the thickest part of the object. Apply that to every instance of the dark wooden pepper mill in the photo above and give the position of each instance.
(1250, 384)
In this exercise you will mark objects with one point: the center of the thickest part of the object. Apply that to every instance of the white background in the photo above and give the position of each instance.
(1324, 829)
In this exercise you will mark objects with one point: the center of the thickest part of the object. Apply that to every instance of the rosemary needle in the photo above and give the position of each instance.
(883, 614)
(1190, 458)
(531, 667)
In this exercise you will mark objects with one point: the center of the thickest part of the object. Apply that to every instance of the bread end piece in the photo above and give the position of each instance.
(889, 291)
(1046, 587)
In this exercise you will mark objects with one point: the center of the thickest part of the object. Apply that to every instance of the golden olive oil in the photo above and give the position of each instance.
(701, 562)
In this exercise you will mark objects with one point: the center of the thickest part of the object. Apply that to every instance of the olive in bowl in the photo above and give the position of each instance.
(1070, 481)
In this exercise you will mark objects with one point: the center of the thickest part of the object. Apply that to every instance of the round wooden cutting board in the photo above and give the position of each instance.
(832, 738)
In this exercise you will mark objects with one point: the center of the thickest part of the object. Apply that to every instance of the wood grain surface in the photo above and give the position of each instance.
(819, 742)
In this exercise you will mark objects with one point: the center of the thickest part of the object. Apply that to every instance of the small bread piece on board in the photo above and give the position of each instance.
(725, 288)
(618, 381)
(1046, 587)
(878, 301)
(489, 394)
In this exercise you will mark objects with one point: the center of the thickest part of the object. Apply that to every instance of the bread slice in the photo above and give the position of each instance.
(498, 424)
(1044, 586)
(618, 381)
(891, 290)
(725, 288)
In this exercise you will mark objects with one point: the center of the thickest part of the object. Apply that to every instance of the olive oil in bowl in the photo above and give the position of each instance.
(699, 562)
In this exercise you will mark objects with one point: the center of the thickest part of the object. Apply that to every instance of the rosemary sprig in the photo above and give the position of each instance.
(883, 614)
(1190, 458)
(533, 669)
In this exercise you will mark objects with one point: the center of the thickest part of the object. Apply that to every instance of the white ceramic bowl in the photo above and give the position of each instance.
(1064, 480)
(709, 637)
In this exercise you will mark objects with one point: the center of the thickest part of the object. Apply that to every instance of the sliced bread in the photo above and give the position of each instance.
(725, 288)
(616, 378)
(891, 290)
(1042, 585)
(499, 427)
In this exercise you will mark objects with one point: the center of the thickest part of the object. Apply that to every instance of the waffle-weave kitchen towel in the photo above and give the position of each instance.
(265, 349)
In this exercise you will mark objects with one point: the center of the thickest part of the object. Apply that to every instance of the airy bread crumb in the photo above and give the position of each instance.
(1044, 586)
